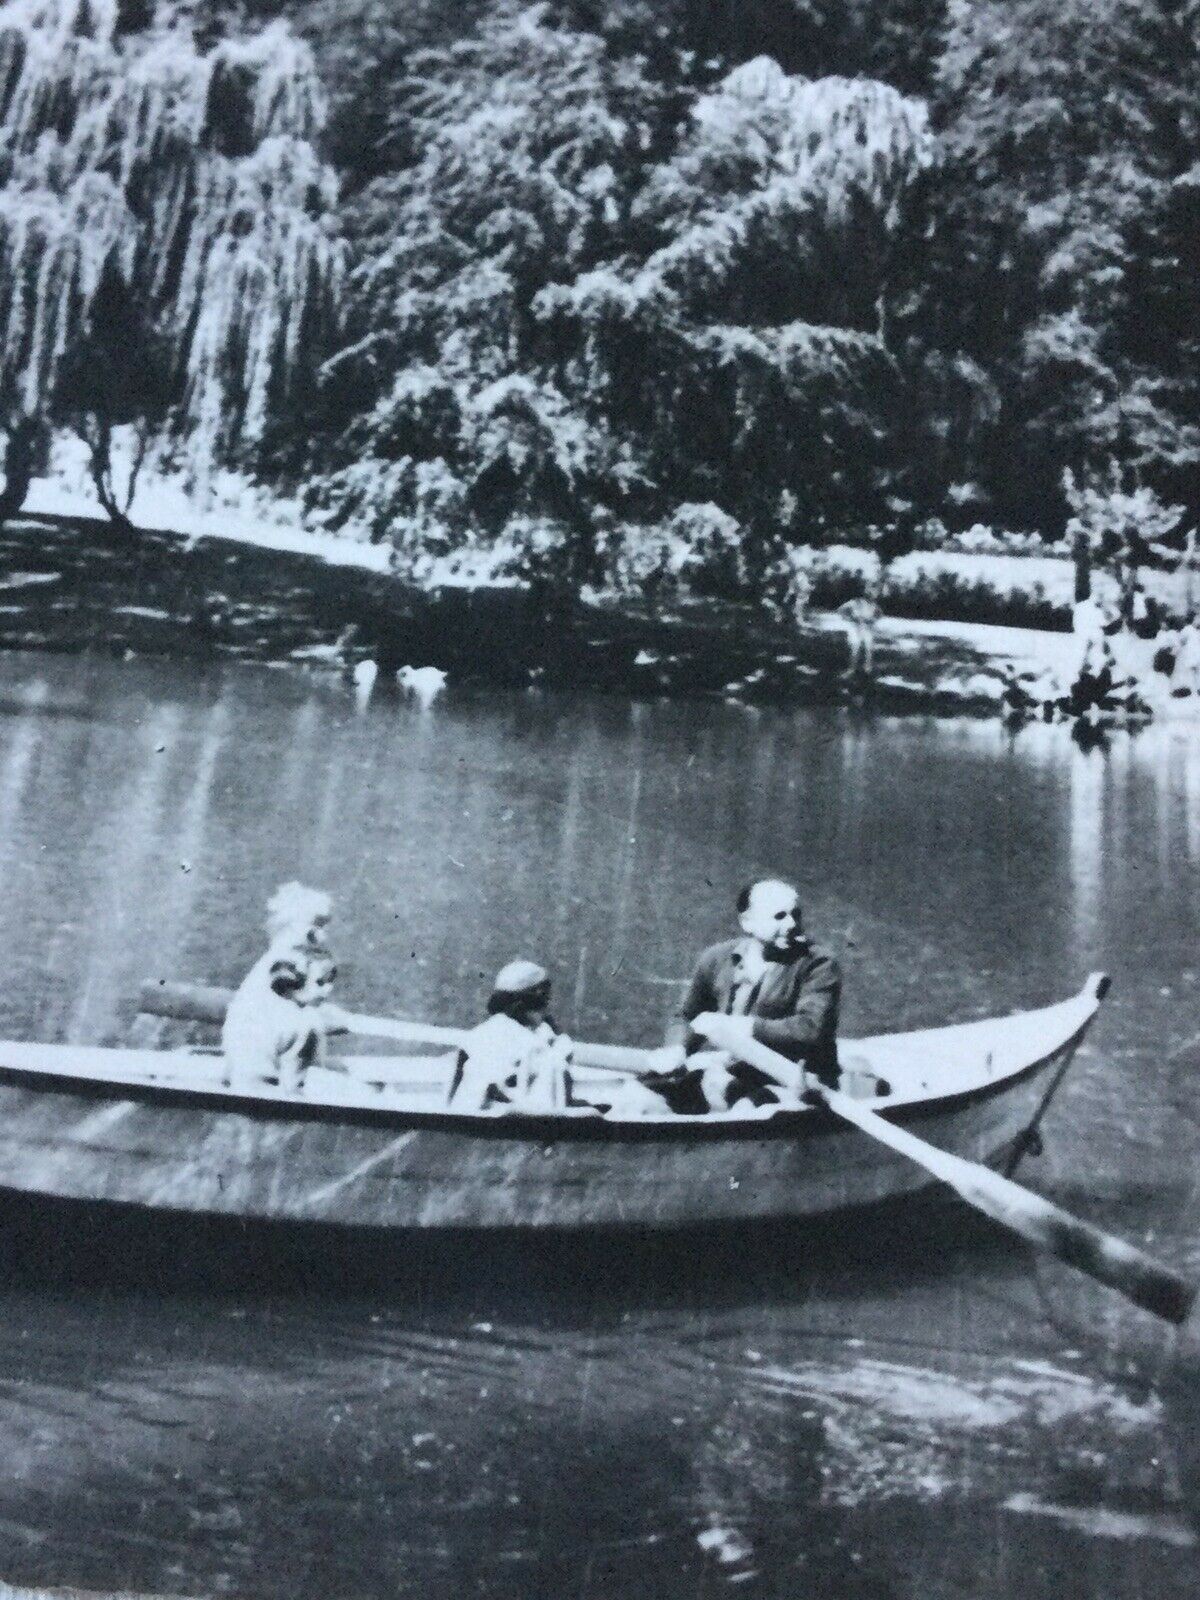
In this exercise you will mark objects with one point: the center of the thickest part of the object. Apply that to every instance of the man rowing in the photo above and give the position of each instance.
(781, 989)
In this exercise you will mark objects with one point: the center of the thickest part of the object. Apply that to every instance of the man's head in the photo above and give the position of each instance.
(522, 991)
(769, 911)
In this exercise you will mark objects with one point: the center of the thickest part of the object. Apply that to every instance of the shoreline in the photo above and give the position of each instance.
(493, 631)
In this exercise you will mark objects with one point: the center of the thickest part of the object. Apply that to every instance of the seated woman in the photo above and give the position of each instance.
(517, 1057)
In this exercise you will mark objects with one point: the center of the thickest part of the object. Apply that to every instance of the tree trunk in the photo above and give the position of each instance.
(100, 465)
(22, 455)
(1082, 554)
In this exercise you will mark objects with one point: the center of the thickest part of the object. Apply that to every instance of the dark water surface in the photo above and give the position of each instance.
(901, 1406)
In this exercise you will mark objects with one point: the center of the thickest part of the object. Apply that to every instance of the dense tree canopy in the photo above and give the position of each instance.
(588, 289)
(584, 279)
(1069, 142)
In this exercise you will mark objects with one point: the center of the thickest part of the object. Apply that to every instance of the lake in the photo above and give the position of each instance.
(886, 1406)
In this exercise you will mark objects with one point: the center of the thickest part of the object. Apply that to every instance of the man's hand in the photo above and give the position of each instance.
(726, 1032)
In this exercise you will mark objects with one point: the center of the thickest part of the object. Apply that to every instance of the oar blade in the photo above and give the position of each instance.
(1146, 1282)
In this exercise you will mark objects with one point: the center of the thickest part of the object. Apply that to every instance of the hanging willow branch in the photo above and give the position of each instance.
(194, 176)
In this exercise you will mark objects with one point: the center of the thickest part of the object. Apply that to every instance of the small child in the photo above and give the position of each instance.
(861, 617)
(517, 1057)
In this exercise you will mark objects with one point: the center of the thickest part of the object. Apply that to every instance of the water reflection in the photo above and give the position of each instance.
(1090, 778)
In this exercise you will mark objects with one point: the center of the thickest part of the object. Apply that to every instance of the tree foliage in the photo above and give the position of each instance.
(747, 348)
(159, 197)
(519, 152)
(595, 284)
(588, 290)
(1068, 137)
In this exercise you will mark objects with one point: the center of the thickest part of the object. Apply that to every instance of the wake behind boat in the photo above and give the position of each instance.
(374, 1144)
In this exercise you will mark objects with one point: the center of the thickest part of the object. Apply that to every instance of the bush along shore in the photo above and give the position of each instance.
(73, 583)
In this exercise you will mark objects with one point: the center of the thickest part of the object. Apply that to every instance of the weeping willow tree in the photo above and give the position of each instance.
(167, 250)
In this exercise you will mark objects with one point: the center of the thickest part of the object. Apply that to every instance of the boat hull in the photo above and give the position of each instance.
(208, 1153)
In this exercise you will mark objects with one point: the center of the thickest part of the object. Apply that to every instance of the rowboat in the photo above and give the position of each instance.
(374, 1144)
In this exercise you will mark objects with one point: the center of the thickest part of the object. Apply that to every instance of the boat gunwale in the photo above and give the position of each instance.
(781, 1123)
(775, 1122)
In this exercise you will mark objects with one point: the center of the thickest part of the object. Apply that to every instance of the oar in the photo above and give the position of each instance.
(1133, 1273)
(198, 1002)
(344, 1021)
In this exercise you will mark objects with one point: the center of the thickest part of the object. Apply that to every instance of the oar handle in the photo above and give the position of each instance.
(611, 1057)
(396, 1028)
(187, 1002)
(199, 1002)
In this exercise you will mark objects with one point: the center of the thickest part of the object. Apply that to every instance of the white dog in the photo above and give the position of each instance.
(275, 1028)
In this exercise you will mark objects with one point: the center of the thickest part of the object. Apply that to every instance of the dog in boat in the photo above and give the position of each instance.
(276, 1025)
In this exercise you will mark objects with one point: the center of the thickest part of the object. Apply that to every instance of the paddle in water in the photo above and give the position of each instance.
(1138, 1276)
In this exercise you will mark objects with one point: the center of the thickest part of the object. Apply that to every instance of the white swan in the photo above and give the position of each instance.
(364, 675)
(423, 683)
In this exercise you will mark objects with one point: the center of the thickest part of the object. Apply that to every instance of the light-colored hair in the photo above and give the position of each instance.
(293, 909)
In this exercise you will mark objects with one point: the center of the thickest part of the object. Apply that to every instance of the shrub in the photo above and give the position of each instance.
(698, 550)
(824, 579)
(944, 586)
(1118, 524)
(982, 540)
(1009, 591)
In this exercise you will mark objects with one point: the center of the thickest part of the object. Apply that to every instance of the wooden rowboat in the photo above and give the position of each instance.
(375, 1146)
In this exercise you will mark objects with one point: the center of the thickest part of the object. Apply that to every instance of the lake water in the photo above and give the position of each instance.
(898, 1406)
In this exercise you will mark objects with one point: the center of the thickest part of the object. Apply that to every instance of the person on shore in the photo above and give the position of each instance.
(801, 600)
(861, 617)
(1089, 621)
(1142, 613)
(1096, 673)
(276, 1025)
(1185, 677)
(517, 1057)
(784, 991)
(1167, 648)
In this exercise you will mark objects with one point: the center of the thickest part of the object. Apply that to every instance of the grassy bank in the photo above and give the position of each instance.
(71, 584)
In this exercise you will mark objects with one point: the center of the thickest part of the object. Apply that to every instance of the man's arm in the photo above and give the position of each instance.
(813, 1017)
(699, 996)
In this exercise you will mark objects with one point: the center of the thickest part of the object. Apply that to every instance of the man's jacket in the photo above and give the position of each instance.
(794, 1004)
